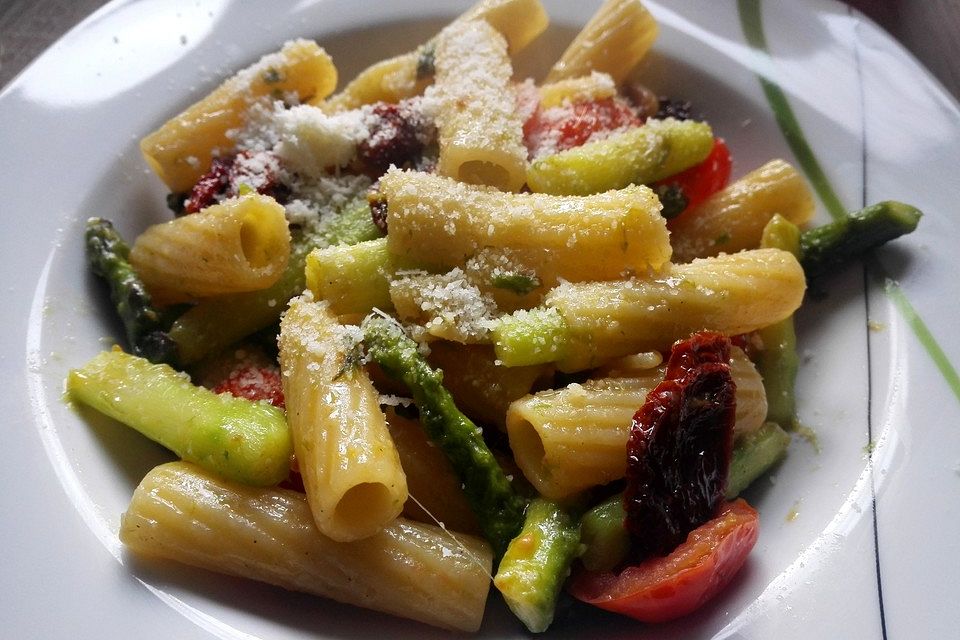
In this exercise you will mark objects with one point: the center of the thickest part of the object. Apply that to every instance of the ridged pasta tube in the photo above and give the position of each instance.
(432, 483)
(350, 467)
(586, 324)
(180, 151)
(404, 76)
(733, 219)
(615, 39)
(570, 439)
(436, 220)
(595, 86)
(241, 244)
(479, 129)
(642, 155)
(408, 569)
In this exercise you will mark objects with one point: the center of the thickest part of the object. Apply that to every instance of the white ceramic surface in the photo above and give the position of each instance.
(859, 539)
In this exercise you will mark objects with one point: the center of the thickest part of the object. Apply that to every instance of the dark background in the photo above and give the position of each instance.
(928, 28)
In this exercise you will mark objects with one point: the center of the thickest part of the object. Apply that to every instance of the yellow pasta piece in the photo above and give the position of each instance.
(407, 75)
(408, 569)
(241, 244)
(436, 220)
(595, 86)
(615, 39)
(180, 151)
(568, 440)
(436, 492)
(481, 387)
(479, 128)
(733, 294)
(351, 471)
(733, 218)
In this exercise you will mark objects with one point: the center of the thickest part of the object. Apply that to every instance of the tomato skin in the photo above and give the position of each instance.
(660, 589)
(703, 180)
(573, 125)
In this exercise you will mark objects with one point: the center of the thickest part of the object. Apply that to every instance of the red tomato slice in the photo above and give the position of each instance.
(703, 180)
(562, 128)
(664, 588)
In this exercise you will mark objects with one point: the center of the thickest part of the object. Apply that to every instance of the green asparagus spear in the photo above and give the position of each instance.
(108, 256)
(537, 562)
(499, 509)
(754, 455)
(245, 441)
(825, 248)
(778, 361)
(218, 322)
(607, 541)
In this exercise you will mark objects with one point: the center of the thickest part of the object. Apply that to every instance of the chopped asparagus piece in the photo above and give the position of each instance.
(108, 256)
(245, 441)
(825, 248)
(499, 509)
(778, 361)
(537, 563)
(642, 155)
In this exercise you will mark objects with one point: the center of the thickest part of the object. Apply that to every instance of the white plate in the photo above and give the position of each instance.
(873, 548)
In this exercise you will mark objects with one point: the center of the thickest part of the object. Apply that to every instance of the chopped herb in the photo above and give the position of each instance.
(722, 238)
(673, 199)
(519, 283)
(272, 76)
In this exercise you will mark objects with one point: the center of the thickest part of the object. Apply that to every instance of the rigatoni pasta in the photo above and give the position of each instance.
(615, 39)
(480, 131)
(570, 439)
(733, 219)
(184, 514)
(434, 220)
(351, 471)
(241, 244)
(181, 150)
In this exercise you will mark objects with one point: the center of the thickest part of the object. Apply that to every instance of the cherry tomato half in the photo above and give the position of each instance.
(664, 588)
(703, 180)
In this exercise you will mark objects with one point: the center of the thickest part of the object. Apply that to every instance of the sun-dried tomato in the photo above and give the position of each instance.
(681, 439)
(396, 138)
(229, 174)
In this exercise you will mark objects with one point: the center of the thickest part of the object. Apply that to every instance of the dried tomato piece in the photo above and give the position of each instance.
(257, 171)
(395, 138)
(210, 185)
(681, 439)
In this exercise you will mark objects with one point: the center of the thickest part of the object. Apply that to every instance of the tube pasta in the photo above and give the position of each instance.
(406, 75)
(408, 569)
(435, 220)
(571, 439)
(434, 486)
(241, 244)
(350, 468)
(595, 86)
(481, 387)
(180, 151)
(733, 219)
(733, 294)
(480, 131)
(615, 39)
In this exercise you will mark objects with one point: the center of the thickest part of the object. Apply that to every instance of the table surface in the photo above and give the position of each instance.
(928, 28)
